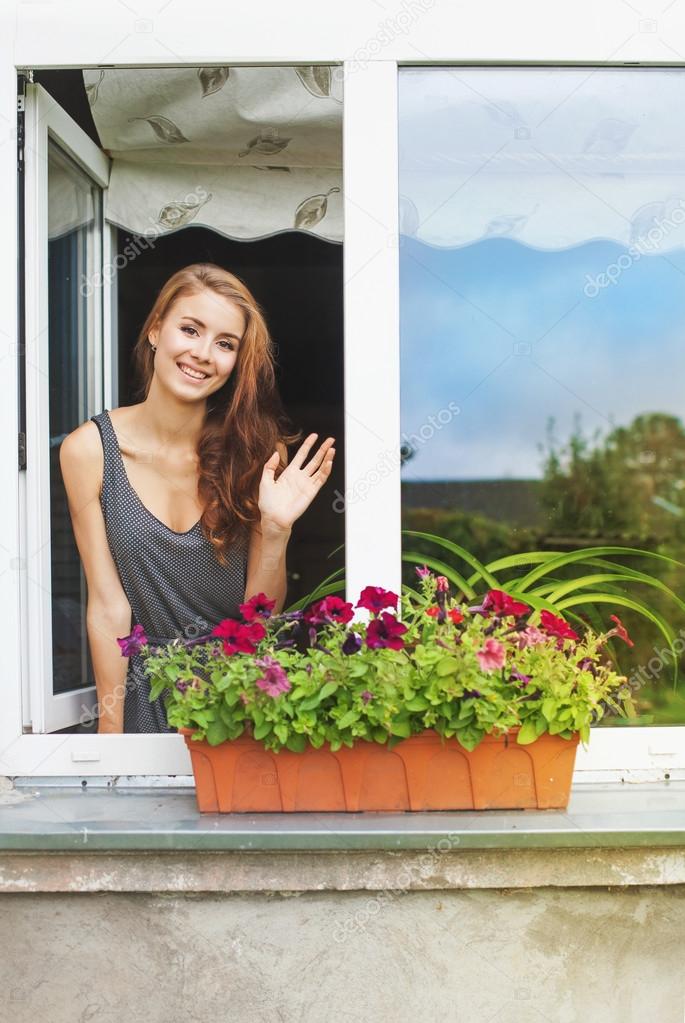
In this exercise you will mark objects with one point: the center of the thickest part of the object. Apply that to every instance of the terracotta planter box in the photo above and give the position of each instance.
(420, 773)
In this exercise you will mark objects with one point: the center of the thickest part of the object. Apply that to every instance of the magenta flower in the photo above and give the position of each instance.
(503, 605)
(555, 626)
(134, 642)
(274, 680)
(330, 609)
(375, 598)
(491, 656)
(366, 696)
(352, 644)
(257, 606)
(238, 638)
(385, 631)
(423, 571)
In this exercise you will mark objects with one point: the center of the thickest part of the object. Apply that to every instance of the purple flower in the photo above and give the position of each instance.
(366, 696)
(470, 694)
(422, 572)
(134, 642)
(181, 686)
(274, 681)
(353, 642)
(523, 679)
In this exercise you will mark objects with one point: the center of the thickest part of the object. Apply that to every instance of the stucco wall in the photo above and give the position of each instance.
(592, 955)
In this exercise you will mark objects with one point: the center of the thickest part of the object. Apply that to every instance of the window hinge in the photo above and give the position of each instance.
(22, 451)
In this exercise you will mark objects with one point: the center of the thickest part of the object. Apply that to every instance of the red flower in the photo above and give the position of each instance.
(237, 638)
(385, 631)
(620, 630)
(558, 627)
(433, 611)
(456, 615)
(259, 605)
(502, 604)
(375, 598)
(330, 609)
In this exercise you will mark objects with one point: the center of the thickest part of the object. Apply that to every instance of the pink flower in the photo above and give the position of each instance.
(274, 681)
(385, 631)
(259, 605)
(491, 656)
(443, 584)
(422, 572)
(375, 598)
(531, 637)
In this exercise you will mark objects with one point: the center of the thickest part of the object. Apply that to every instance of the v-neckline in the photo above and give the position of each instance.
(145, 508)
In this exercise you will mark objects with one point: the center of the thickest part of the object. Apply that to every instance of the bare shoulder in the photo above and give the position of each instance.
(81, 458)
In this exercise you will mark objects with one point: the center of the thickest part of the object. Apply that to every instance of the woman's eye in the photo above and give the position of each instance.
(188, 328)
(230, 345)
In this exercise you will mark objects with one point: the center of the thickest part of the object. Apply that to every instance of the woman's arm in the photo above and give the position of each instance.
(108, 613)
(266, 567)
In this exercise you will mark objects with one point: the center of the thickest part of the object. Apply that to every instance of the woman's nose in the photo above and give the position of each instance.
(202, 349)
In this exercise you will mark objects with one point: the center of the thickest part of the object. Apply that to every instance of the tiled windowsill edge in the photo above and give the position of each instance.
(154, 840)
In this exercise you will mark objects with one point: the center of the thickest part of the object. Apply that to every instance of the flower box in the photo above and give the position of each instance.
(423, 772)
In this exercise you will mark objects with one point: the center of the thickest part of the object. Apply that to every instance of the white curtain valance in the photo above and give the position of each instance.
(246, 151)
(551, 157)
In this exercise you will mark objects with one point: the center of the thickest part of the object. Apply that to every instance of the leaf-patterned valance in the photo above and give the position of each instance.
(246, 151)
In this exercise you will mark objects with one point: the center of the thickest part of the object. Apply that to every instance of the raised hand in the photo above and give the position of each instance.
(283, 500)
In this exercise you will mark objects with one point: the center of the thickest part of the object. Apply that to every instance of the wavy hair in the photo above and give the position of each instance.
(244, 419)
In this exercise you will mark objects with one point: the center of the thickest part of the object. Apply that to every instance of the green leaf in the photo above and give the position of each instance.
(465, 555)
(260, 731)
(447, 666)
(348, 719)
(401, 727)
(296, 742)
(528, 733)
(549, 708)
(281, 732)
(217, 733)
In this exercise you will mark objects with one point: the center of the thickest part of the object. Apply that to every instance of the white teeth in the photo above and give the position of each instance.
(191, 372)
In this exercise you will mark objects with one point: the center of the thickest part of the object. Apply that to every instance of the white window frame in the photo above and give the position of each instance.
(371, 325)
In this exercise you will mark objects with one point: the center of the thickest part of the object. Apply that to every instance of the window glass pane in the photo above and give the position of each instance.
(542, 264)
(73, 238)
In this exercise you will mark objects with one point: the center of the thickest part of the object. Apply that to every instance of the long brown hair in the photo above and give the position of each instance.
(244, 418)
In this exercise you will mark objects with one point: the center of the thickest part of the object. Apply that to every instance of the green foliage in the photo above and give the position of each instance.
(437, 676)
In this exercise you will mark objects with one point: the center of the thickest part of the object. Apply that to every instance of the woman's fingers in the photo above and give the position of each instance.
(314, 463)
(303, 450)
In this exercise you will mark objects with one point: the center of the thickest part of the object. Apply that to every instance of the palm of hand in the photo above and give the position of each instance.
(282, 501)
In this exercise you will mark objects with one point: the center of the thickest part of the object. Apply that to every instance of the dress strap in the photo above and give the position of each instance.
(111, 453)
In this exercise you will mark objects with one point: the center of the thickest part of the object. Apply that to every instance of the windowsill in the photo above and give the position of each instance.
(62, 838)
(61, 818)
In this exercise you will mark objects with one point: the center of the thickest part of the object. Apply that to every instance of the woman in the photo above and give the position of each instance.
(182, 505)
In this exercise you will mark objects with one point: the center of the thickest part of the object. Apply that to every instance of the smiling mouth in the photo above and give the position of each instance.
(192, 374)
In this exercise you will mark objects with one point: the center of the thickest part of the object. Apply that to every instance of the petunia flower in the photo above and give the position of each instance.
(274, 680)
(523, 679)
(620, 630)
(238, 638)
(352, 644)
(375, 599)
(555, 626)
(385, 631)
(330, 609)
(471, 694)
(134, 642)
(442, 584)
(258, 606)
(503, 605)
(491, 655)
(455, 615)
(531, 637)
(366, 696)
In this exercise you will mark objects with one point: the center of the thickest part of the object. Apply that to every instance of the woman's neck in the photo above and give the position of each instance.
(167, 422)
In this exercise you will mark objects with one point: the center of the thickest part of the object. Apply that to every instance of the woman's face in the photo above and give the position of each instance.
(197, 344)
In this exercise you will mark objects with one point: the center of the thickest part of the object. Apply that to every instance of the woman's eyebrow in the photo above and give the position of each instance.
(201, 324)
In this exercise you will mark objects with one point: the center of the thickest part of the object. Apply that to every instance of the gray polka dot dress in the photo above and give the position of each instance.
(173, 581)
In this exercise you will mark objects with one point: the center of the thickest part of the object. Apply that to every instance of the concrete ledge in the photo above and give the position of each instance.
(234, 872)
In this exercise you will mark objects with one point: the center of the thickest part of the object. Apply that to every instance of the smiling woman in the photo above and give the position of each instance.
(182, 504)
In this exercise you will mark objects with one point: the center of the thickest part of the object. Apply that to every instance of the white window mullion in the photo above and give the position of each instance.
(372, 328)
